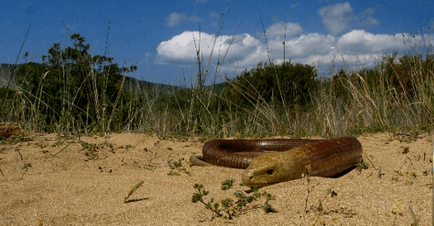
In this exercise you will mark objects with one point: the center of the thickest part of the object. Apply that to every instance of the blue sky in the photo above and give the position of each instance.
(159, 36)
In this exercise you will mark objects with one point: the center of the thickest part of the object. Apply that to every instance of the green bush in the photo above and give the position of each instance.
(286, 84)
(72, 87)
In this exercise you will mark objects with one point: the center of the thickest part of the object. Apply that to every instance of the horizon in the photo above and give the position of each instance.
(162, 38)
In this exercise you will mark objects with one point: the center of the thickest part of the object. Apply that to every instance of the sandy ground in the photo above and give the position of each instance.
(58, 180)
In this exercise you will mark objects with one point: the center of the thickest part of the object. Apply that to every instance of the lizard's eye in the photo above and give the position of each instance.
(270, 171)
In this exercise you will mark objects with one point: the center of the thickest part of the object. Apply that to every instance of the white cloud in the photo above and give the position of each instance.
(361, 42)
(353, 48)
(310, 44)
(367, 19)
(278, 30)
(181, 49)
(176, 18)
(336, 18)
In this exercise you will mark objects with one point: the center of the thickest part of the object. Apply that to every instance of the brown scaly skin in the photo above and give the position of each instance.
(239, 153)
(278, 160)
(325, 158)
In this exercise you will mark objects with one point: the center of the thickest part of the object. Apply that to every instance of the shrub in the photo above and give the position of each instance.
(285, 84)
(72, 87)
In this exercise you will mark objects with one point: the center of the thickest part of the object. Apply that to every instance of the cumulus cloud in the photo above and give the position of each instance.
(336, 18)
(246, 51)
(176, 18)
(310, 44)
(181, 49)
(360, 42)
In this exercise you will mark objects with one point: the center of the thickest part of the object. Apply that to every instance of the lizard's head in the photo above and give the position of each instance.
(269, 169)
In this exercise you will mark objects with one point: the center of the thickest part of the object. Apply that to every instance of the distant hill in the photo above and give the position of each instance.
(130, 82)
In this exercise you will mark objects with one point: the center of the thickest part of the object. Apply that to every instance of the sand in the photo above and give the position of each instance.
(51, 179)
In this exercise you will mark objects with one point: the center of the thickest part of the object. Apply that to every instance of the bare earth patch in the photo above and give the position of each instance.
(56, 180)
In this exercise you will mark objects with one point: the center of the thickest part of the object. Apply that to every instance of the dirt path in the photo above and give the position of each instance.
(52, 180)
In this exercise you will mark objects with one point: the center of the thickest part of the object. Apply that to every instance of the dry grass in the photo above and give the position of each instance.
(393, 96)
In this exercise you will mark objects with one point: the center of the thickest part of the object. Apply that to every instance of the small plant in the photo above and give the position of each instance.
(361, 166)
(15, 139)
(88, 146)
(26, 166)
(178, 167)
(132, 190)
(59, 142)
(41, 145)
(108, 144)
(267, 207)
(230, 208)
(227, 184)
(406, 177)
(91, 150)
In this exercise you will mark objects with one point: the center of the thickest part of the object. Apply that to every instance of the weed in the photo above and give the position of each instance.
(15, 139)
(178, 167)
(59, 142)
(41, 145)
(127, 147)
(26, 166)
(90, 150)
(227, 184)
(108, 145)
(88, 146)
(267, 207)
(230, 208)
(361, 166)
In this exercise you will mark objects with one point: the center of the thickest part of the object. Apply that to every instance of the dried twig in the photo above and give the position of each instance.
(18, 150)
(63, 149)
